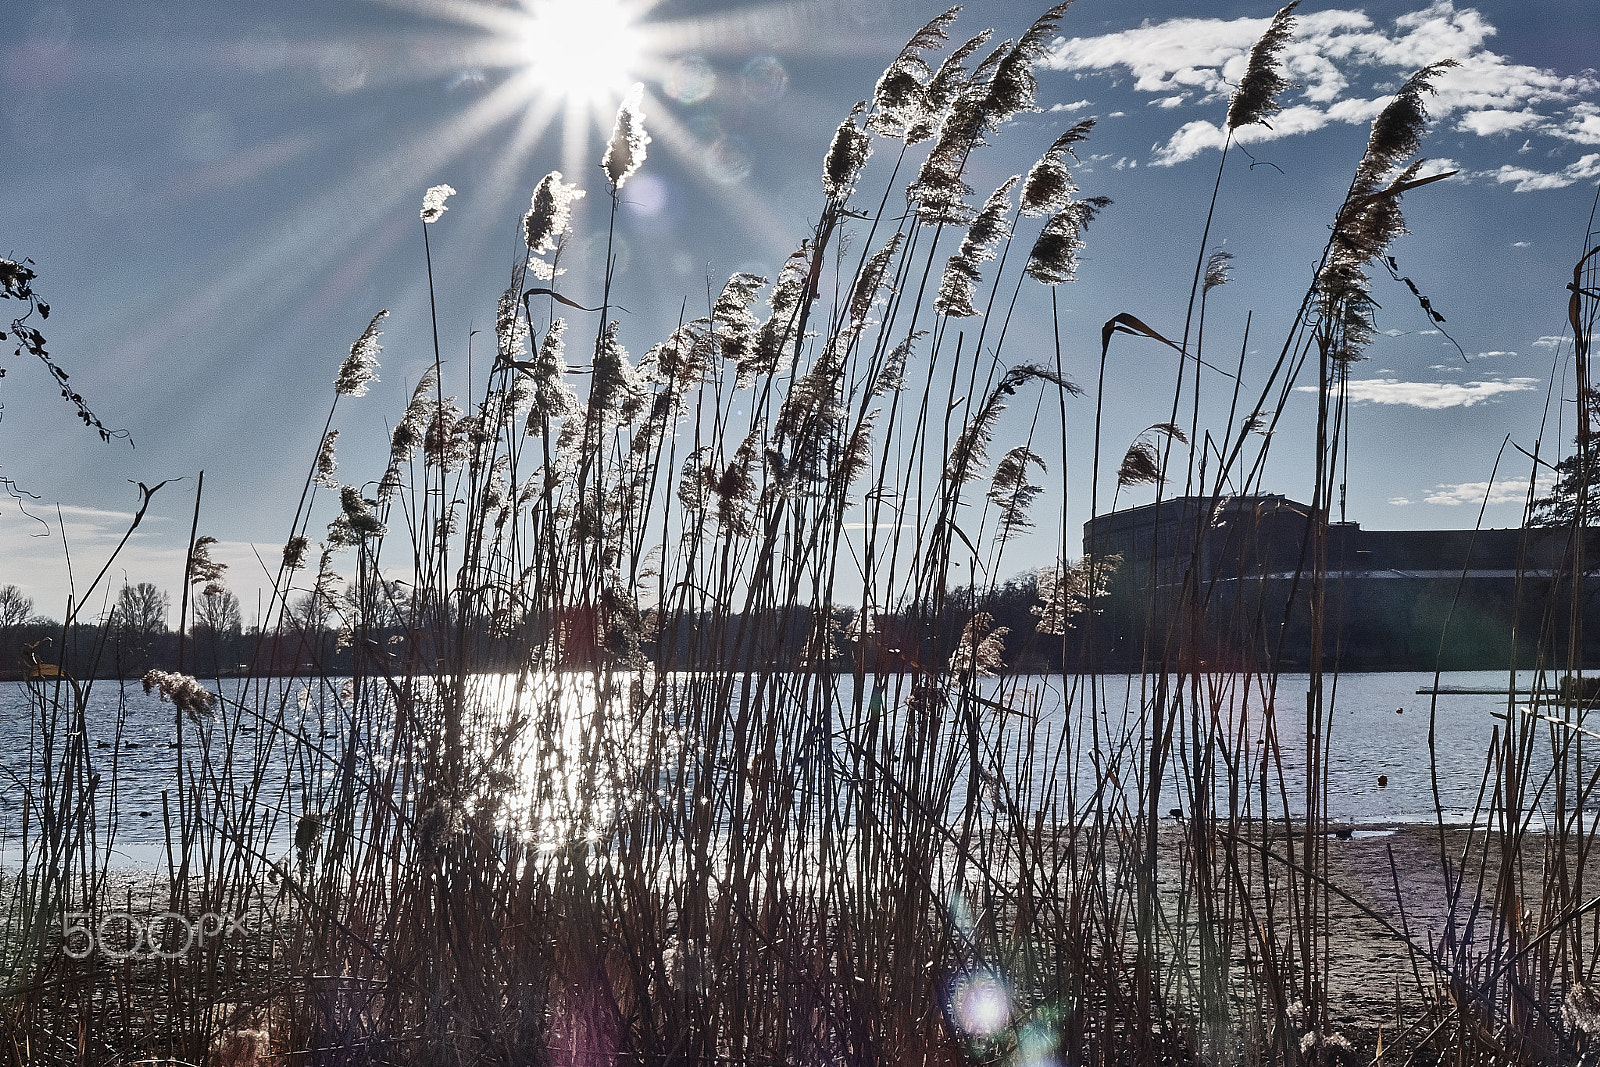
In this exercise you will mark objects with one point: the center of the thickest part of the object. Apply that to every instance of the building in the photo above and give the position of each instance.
(1231, 580)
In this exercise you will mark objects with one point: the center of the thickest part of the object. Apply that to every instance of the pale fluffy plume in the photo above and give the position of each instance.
(867, 285)
(433, 202)
(961, 273)
(510, 327)
(356, 520)
(410, 431)
(626, 151)
(1054, 258)
(732, 323)
(970, 450)
(1068, 592)
(552, 397)
(1370, 218)
(1011, 491)
(1050, 186)
(784, 301)
(847, 155)
(326, 463)
(548, 219)
(1217, 269)
(360, 368)
(184, 690)
(981, 647)
(616, 395)
(900, 99)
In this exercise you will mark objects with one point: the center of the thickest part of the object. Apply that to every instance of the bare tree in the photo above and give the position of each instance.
(216, 614)
(140, 618)
(15, 609)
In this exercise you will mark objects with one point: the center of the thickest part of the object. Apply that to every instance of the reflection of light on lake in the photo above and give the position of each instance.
(556, 757)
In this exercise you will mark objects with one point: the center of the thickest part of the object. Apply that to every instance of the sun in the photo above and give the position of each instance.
(582, 51)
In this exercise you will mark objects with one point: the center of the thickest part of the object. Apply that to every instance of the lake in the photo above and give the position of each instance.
(1379, 769)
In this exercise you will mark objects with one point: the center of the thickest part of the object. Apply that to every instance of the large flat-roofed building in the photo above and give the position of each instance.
(1460, 599)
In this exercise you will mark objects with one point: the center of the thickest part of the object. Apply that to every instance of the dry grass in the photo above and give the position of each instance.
(614, 782)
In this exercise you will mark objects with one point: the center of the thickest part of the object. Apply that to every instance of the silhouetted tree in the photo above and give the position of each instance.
(1559, 507)
(138, 622)
(15, 609)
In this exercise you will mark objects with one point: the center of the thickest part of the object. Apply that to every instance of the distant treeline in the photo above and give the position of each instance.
(786, 637)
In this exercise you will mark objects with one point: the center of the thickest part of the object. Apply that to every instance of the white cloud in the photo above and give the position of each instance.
(1399, 501)
(1431, 396)
(1584, 125)
(1549, 342)
(1524, 180)
(1521, 244)
(1509, 492)
(1076, 105)
(1200, 60)
(1491, 355)
(1495, 120)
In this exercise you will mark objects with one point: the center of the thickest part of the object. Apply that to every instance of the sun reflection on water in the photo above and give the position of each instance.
(557, 757)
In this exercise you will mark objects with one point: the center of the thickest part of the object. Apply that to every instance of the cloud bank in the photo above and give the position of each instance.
(1347, 66)
(1431, 396)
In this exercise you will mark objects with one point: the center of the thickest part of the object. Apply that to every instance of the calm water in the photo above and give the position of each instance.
(1379, 727)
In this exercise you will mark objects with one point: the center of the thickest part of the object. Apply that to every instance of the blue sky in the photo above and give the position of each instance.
(218, 196)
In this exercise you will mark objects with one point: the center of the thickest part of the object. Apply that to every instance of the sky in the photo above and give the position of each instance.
(217, 197)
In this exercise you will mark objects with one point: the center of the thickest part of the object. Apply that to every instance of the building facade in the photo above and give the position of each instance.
(1236, 581)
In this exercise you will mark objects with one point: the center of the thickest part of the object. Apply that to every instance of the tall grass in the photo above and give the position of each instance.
(615, 779)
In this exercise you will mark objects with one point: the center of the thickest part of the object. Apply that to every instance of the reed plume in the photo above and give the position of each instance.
(900, 98)
(205, 571)
(847, 155)
(355, 523)
(1049, 186)
(294, 552)
(1141, 464)
(446, 443)
(1012, 493)
(981, 649)
(1218, 266)
(1256, 98)
(185, 691)
(1014, 87)
(970, 450)
(870, 281)
(1067, 592)
(626, 150)
(412, 429)
(548, 219)
(1370, 219)
(553, 398)
(326, 463)
(1053, 259)
(433, 202)
(784, 309)
(733, 325)
(360, 368)
(962, 270)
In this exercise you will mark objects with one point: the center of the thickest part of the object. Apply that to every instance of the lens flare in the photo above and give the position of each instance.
(980, 1004)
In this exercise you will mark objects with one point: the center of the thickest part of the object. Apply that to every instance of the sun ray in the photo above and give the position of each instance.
(776, 233)
(347, 219)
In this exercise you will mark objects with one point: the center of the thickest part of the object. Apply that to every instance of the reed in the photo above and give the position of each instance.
(613, 778)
